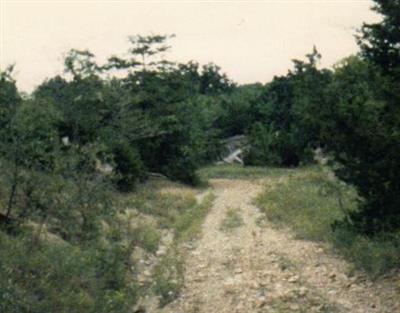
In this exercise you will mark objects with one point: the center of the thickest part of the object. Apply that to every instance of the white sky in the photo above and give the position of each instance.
(251, 40)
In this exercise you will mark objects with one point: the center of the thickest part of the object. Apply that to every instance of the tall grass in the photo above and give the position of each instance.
(311, 201)
(233, 171)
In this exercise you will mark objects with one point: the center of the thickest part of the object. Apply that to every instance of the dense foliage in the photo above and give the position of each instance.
(364, 129)
(285, 131)
(68, 148)
(352, 112)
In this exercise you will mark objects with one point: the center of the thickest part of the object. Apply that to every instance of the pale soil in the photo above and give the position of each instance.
(256, 268)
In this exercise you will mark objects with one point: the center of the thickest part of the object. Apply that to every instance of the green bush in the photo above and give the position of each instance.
(55, 276)
(285, 132)
(169, 276)
(360, 123)
(128, 167)
(362, 137)
(147, 237)
(377, 255)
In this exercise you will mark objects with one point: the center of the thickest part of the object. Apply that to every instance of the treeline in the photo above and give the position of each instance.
(352, 112)
(79, 139)
(66, 151)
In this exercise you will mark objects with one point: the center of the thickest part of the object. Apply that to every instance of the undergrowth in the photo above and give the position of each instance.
(309, 203)
(174, 208)
(232, 220)
(234, 171)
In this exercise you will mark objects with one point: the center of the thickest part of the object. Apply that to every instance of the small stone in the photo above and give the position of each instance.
(202, 266)
(260, 302)
(302, 291)
(229, 286)
(199, 277)
(294, 307)
(162, 250)
(147, 273)
(254, 285)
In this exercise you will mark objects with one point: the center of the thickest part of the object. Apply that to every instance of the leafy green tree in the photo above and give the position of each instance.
(379, 42)
(9, 103)
(271, 138)
(162, 99)
(238, 109)
(309, 85)
(286, 109)
(364, 122)
(80, 63)
(9, 99)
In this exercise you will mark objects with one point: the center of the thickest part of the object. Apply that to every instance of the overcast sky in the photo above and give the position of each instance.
(251, 40)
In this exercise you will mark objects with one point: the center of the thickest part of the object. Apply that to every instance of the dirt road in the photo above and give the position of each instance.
(256, 268)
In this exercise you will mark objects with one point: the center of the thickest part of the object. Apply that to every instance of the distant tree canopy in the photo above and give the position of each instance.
(165, 117)
(286, 130)
(65, 151)
(352, 112)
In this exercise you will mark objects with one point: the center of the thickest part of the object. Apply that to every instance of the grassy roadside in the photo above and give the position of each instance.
(232, 220)
(309, 203)
(158, 208)
(241, 172)
(169, 272)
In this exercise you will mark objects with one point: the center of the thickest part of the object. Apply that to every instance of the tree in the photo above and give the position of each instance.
(286, 113)
(363, 129)
(148, 47)
(9, 154)
(146, 52)
(80, 64)
(380, 42)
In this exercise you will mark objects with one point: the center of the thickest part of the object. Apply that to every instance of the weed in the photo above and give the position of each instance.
(300, 204)
(240, 172)
(285, 263)
(232, 220)
(168, 206)
(147, 237)
(311, 201)
(188, 225)
(169, 276)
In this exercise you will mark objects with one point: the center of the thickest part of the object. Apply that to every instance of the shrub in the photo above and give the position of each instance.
(128, 166)
(311, 202)
(59, 277)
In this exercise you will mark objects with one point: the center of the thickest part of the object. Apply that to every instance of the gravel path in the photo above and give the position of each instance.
(255, 268)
